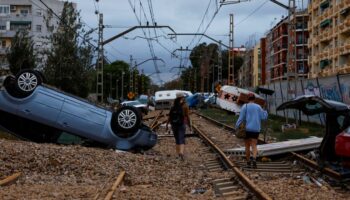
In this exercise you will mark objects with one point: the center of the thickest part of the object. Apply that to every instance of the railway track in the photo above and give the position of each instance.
(282, 170)
(229, 176)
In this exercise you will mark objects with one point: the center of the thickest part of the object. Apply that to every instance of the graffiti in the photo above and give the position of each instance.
(311, 89)
(331, 92)
(345, 90)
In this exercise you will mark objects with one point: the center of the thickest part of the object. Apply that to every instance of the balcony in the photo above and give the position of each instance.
(309, 43)
(3, 51)
(7, 34)
(342, 4)
(341, 27)
(21, 17)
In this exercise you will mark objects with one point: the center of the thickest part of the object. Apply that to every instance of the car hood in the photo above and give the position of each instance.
(311, 105)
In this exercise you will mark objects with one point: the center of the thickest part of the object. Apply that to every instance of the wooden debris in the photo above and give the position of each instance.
(10, 179)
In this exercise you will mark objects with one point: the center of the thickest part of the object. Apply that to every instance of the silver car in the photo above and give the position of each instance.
(40, 113)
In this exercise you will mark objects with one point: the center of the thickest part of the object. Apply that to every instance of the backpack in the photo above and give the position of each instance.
(176, 116)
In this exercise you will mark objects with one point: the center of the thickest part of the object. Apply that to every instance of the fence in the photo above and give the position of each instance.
(335, 88)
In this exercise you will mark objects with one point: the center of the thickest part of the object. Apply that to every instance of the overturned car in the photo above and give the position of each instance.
(37, 112)
(335, 144)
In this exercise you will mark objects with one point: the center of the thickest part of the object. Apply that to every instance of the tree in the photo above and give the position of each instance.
(69, 60)
(111, 74)
(21, 53)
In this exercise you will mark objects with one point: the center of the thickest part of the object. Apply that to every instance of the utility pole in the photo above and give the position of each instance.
(219, 79)
(136, 80)
(142, 81)
(290, 46)
(122, 95)
(99, 65)
(231, 55)
(131, 86)
(195, 79)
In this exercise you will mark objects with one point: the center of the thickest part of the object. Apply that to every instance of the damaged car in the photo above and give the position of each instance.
(37, 112)
(334, 149)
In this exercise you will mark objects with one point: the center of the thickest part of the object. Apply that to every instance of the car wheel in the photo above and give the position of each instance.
(125, 121)
(27, 81)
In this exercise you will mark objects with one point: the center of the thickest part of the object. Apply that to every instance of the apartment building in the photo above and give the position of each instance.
(27, 14)
(259, 63)
(298, 50)
(276, 51)
(329, 43)
(245, 78)
(256, 72)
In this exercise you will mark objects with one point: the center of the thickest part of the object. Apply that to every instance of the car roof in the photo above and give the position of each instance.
(312, 104)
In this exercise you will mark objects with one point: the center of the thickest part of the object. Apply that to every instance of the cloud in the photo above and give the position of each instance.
(251, 17)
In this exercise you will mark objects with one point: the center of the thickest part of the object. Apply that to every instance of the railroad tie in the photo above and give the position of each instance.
(226, 187)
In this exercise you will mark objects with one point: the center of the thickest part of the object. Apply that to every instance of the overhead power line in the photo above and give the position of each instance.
(252, 13)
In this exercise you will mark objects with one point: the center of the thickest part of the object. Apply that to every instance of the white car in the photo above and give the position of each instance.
(142, 107)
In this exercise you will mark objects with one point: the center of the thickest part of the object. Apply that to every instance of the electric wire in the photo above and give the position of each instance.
(252, 13)
(58, 17)
(148, 41)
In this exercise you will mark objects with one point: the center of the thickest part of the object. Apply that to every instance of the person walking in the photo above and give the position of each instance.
(252, 114)
(179, 118)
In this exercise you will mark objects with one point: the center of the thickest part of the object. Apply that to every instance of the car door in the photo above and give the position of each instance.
(81, 118)
(43, 106)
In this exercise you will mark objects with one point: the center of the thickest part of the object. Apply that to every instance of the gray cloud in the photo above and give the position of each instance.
(182, 16)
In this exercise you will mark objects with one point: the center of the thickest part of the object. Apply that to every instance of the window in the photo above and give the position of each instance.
(50, 28)
(4, 9)
(39, 12)
(38, 28)
(24, 12)
(2, 27)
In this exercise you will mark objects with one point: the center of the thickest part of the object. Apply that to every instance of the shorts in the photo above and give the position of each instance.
(252, 135)
(179, 133)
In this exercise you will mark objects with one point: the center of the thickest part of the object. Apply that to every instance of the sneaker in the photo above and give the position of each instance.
(254, 164)
(249, 163)
(181, 156)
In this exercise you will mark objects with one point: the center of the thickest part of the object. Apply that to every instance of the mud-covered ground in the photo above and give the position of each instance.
(52, 171)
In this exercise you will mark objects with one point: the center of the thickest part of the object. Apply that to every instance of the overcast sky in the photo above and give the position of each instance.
(252, 20)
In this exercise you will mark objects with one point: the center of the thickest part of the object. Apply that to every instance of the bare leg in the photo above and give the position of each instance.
(247, 148)
(182, 149)
(255, 149)
(177, 149)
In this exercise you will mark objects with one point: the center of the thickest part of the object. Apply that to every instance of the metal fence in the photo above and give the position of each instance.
(335, 88)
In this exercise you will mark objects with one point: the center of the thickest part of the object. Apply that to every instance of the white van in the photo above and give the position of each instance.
(164, 99)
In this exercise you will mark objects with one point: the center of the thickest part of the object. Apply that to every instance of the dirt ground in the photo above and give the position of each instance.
(52, 171)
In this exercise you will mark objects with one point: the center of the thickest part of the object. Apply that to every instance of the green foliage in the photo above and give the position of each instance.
(172, 85)
(69, 60)
(21, 53)
(206, 54)
(113, 73)
(273, 124)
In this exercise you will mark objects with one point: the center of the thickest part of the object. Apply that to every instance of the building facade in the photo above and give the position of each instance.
(329, 43)
(245, 78)
(31, 15)
(298, 49)
(277, 49)
(256, 73)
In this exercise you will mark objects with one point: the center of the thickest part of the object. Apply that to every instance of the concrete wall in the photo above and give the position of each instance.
(335, 88)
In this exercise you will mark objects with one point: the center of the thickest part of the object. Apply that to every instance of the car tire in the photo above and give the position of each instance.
(126, 121)
(27, 80)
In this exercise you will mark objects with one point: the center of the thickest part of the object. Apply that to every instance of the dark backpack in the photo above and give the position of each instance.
(176, 116)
